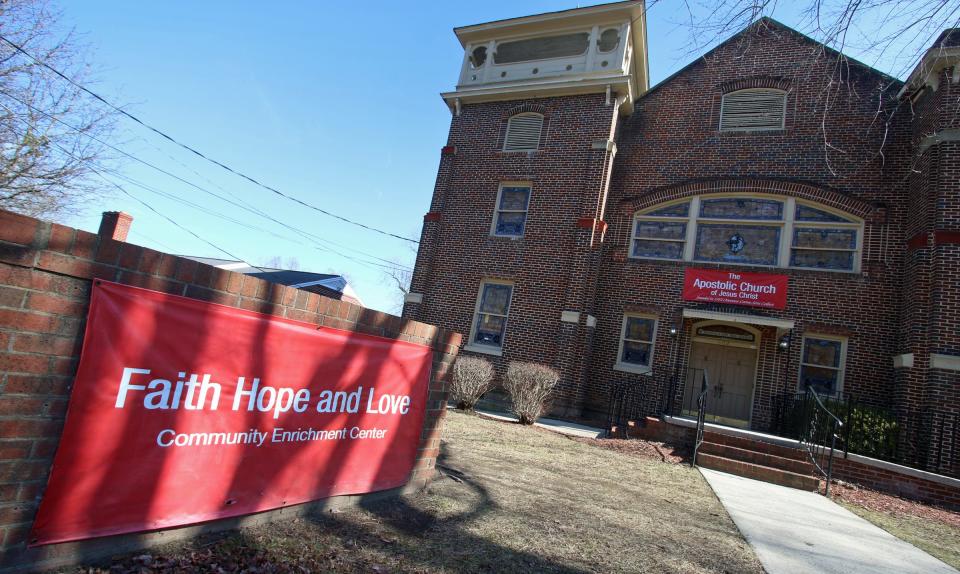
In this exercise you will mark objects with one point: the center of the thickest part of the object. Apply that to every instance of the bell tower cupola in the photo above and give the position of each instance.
(586, 50)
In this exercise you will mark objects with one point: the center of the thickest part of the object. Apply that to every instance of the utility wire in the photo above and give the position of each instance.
(174, 141)
(239, 204)
(98, 170)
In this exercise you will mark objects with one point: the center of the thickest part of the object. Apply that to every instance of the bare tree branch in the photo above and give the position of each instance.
(36, 177)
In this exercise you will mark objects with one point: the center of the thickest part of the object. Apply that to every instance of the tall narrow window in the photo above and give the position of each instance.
(822, 363)
(490, 319)
(511, 214)
(755, 109)
(636, 343)
(523, 132)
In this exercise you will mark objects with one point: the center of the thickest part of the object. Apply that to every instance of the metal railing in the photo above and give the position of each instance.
(624, 405)
(702, 399)
(928, 439)
(821, 428)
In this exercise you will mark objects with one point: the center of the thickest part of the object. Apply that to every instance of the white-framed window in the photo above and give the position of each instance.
(490, 316)
(523, 132)
(637, 340)
(510, 215)
(747, 229)
(822, 363)
(753, 110)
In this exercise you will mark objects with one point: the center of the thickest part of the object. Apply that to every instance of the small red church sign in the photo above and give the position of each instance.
(735, 288)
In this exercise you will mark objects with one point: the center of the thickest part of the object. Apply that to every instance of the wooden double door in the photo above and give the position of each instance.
(731, 373)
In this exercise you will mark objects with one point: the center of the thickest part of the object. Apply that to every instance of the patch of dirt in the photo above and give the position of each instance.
(643, 448)
(880, 502)
(513, 499)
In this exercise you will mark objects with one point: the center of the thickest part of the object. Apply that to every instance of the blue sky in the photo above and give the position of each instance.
(335, 103)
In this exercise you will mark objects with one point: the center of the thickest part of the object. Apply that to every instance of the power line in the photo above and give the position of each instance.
(174, 141)
(239, 203)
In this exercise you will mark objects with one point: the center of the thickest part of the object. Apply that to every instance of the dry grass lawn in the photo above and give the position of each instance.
(515, 499)
(932, 529)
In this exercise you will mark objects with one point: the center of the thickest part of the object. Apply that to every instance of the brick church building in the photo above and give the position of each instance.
(775, 215)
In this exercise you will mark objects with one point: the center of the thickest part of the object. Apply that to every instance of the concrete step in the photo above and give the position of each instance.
(756, 457)
(758, 472)
(756, 445)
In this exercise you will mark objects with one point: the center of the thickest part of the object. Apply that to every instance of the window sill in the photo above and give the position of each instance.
(484, 350)
(634, 369)
(510, 237)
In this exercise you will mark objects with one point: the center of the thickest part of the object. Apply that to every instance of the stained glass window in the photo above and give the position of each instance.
(748, 230)
(821, 366)
(741, 208)
(807, 213)
(512, 211)
(637, 344)
(661, 233)
(823, 247)
(491, 318)
(675, 210)
(735, 243)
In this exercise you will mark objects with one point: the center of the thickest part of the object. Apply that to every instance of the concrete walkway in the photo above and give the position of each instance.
(562, 427)
(794, 532)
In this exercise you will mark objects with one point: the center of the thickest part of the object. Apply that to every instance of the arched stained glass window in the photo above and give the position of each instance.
(749, 230)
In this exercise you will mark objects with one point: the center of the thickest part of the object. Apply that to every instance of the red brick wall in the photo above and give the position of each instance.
(553, 265)
(671, 147)
(45, 276)
(896, 483)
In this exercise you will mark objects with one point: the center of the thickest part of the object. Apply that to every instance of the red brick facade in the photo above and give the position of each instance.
(851, 142)
(46, 272)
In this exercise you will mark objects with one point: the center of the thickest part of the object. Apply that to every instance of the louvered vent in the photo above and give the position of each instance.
(523, 132)
(753, 110)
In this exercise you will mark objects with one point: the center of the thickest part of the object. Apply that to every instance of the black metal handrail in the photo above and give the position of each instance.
(701, 418)
(820, 426)
(624, 405)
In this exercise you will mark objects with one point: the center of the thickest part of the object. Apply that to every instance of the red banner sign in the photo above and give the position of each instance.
(185, 411)
(751, 289)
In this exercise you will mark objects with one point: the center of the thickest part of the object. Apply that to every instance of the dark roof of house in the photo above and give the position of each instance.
(322, 283)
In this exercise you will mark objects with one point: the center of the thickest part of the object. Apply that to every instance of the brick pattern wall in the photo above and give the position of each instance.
(671, 148)
(896, 483)
(848, 143)
(552, 266)
(45, 277)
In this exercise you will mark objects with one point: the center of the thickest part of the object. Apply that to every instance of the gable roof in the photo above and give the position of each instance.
(769, 22)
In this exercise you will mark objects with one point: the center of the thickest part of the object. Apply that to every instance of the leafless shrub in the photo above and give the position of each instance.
(529, 385)
(472, 377)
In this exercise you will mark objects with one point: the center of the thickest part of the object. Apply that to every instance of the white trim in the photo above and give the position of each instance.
(841, 369)
(413, 298)
(786, 324)
(945, 362)
(497, 352)
(489, 349)
(570, 316)
(634, 369)
(903, 361)
(619, 365)
(591, 321)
